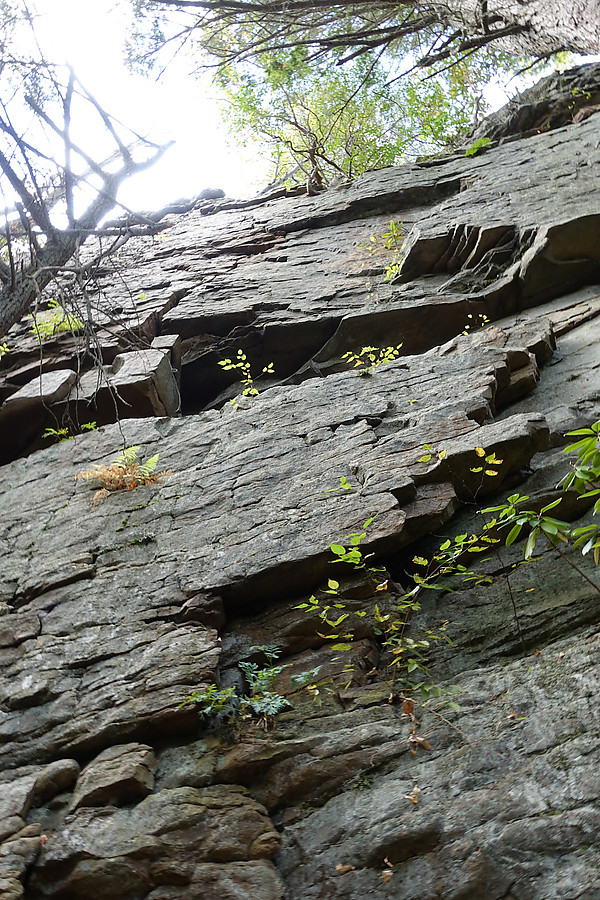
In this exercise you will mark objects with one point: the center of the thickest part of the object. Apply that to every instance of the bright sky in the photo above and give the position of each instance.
(89, 34)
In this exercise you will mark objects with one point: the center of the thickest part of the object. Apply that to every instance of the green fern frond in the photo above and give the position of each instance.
(146, 469)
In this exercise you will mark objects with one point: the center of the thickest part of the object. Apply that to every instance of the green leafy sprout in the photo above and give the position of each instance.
(242, 364)
(65, 434)
(393, 241)
(585, 479)
(368, 359)
(259, 702)
(476, 146)
(54, 321)
(390, 627)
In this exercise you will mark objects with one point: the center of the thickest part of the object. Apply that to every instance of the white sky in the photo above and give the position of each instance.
(89, 35)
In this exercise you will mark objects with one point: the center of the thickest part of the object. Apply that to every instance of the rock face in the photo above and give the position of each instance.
(373, 782)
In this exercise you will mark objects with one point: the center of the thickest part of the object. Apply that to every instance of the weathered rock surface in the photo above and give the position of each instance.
(112, 614)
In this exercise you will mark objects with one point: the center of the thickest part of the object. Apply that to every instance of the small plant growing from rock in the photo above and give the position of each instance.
(54, 321)
(3, 349)
(65, 434)
(476, 146)
(124, 473)
(242, 364)
(478, 321)
(393, 241)
(368, 359)
(259, 703)
(390, 627)
(389, 240)
(212, 701)
(585, 478)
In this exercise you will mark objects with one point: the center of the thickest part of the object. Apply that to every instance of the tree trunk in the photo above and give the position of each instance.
(532, 27)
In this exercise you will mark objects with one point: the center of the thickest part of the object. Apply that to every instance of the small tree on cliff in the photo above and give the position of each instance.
(330, 121)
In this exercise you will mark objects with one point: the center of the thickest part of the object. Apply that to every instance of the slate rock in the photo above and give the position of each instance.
(117, 776)
(182, 827)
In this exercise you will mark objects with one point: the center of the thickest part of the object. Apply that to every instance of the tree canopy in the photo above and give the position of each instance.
(340, 121)
(334, 87)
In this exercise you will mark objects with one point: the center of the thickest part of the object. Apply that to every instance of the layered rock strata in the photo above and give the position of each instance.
(114, 612)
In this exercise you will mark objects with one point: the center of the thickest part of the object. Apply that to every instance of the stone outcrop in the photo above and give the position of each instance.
(114, 612)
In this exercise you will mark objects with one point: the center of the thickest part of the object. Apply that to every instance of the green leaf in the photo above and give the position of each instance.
(552, 505)
(478, 145)
(337, 549)
(530, 546)
(513, 534)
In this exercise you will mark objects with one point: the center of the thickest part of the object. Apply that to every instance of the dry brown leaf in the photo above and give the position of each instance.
(415, 741)
(341, 868)
(408, 707)
(414, 794)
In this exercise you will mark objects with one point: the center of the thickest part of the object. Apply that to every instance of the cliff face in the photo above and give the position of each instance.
(114, 613)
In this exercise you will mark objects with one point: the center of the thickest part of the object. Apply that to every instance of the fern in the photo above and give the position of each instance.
(145, 470)
(124, 473)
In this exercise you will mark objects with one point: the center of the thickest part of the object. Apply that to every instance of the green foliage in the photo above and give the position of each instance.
(124, 473)
(343, 486)
(345, 120)
(404, 652)
(393, 237)
(212, 701)
(476, 146)
(65, 434)
(584, 478)
(54, 321)
(538, 522)
(489, 463)
(370, 358)
(259, 702)
(393, 241)
(430, 454)
(3, 349)
(128, 461)
(243, 366)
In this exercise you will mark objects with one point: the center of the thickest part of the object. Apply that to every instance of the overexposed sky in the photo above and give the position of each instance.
(89, 35)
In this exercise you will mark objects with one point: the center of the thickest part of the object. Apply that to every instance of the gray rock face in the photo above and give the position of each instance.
(113, 612)
(116, 776)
